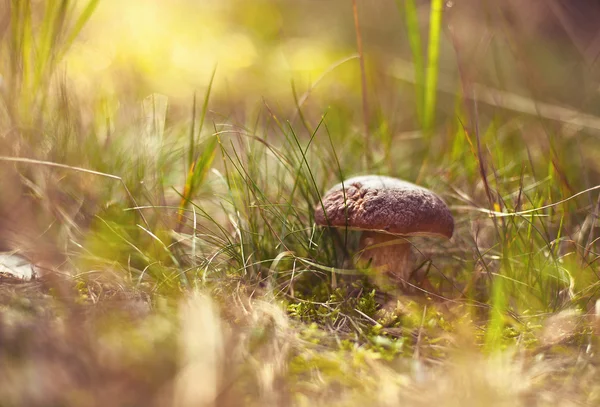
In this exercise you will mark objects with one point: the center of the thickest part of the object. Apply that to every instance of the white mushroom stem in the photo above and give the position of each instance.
(387, 253)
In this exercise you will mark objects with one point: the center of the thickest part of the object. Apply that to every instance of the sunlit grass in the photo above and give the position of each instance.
(174, 208)
(431, 73)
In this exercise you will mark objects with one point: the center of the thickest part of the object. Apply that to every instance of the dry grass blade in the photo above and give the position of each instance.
(77, 169)
(525, 212)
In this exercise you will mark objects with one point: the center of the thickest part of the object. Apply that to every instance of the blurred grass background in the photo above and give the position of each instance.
(160, 164)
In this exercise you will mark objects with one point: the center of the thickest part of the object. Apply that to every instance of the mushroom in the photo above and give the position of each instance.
(386, 210)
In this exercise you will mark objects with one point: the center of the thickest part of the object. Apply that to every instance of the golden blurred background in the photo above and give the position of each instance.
(543, 49)
(256, 47)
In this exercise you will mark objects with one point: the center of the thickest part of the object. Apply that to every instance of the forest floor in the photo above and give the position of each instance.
(170, 215)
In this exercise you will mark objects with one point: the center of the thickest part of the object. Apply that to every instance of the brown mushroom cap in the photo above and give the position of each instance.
(385, 204)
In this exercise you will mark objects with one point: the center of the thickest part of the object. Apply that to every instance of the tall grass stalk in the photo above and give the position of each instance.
(409, 9)
(431, 76)
(36, 48)
(363, 86)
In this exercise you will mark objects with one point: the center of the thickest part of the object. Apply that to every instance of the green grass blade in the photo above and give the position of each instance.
(495, 327)
(433, 51)
(81, 21)
(198, 167)
(192, 135)
(206, 99)
(197, 174)
(53, 27)
(409, 10)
